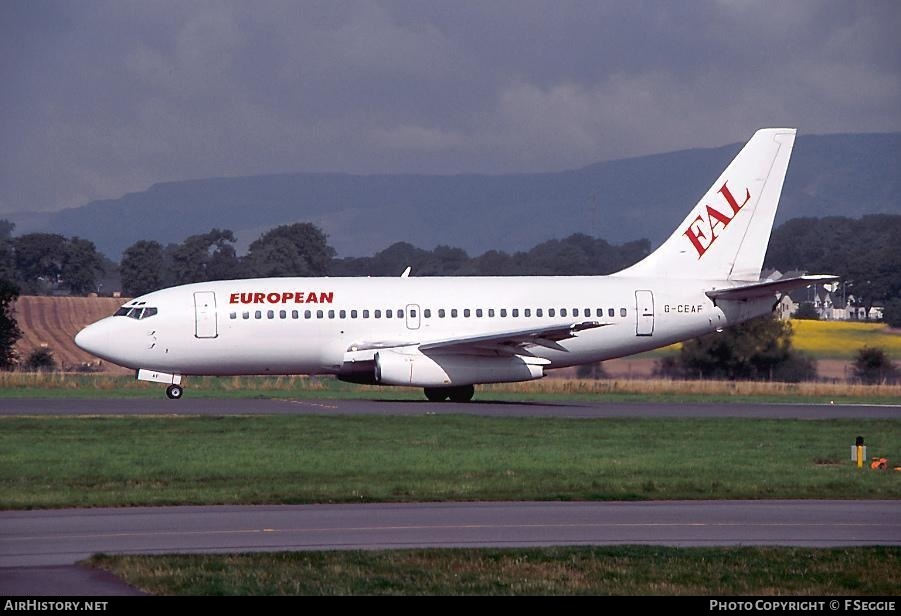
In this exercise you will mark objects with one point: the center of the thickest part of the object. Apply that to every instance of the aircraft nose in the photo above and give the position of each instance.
(94, 339)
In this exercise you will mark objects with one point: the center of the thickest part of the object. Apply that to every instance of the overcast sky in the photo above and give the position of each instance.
(99, 98)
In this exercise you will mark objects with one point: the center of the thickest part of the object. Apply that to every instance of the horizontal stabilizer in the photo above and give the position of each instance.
(769, 287)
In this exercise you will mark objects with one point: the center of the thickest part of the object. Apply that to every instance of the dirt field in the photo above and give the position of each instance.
(54, 321)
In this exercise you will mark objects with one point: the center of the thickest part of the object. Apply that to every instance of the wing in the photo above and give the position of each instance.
(512, 342)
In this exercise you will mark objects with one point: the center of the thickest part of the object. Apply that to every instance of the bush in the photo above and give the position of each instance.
(759, 349)
(40, 360)
(873, 366)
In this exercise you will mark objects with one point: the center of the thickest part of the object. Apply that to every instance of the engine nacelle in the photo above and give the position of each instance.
(420, 370)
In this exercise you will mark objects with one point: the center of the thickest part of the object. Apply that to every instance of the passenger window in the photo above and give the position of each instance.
(319, 314)
(331, 314)
(550, 312)
(388, 314)
(600, 312)
(539, 312)
(233, 315)
(563, 312)
(427, 313)
(294, 314)
(258, 314)
(245, 315)
(342, 314)
(307, 314)
(400, 314)
(503, 312)
(611, 312)
(622, 312)
(441, 313)
(365, 314)
(527, 312)
(378, 314)
(454, 313)
(575, 312)
(283, 314)
(515, 312)
(466, 313)
(270, 314)
(479, 312)
(353, 314)
(587, 312)
(491, 313)
(412, 314)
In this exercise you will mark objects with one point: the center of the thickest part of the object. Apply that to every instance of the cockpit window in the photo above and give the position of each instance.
(135, 312)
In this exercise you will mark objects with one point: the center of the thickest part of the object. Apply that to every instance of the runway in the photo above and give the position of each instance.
(62, 537)
(231, 406)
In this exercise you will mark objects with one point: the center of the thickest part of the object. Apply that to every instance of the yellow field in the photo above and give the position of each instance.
(842, 339)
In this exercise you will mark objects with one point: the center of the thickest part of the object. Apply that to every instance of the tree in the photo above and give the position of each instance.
(300, 249)
(759, 349)
(9, 329)
(873, 366)
(863, 252)
(202, 257)
(80, 267)
(806, 311)
(142, 268)
(39, 261)
(892, 313)
(7, 256)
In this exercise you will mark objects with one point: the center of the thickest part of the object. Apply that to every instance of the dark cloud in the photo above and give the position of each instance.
(104, 97)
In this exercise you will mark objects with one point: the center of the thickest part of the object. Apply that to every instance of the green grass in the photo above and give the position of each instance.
(111, 461)
(80, 386)
(626, 570)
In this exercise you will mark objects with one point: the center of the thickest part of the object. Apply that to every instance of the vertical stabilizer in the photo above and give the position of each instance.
(725, 236)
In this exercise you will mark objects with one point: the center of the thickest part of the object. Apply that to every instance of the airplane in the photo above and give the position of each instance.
(449, 334)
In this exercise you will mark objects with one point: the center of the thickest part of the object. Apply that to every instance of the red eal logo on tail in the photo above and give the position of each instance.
(702, 231)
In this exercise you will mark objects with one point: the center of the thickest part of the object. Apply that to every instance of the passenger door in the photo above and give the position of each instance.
(644, 310)
(205, 315)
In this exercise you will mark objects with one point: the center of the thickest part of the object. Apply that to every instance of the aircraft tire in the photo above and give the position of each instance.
(464, 393)
(436, 394)
(174, 392)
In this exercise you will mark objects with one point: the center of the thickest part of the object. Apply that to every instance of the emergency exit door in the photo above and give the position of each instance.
(644, 310)
(205, 314)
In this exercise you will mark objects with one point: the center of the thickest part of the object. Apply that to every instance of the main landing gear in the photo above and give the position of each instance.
(463, 393)
(174, 392)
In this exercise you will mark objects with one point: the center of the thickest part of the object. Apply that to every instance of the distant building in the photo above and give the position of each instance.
(828, 305)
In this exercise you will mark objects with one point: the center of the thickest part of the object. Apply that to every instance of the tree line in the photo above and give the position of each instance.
(863, 252)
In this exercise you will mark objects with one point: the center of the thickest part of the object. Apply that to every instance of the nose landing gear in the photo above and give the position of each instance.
(174, 392)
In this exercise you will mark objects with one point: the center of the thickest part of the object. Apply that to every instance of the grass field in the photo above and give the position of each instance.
(62, 385)
(110, 461)
(551, 571)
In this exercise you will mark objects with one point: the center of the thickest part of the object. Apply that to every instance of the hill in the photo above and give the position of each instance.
(621, 200)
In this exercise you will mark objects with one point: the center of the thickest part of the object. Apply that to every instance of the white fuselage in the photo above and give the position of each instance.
(310, 325)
